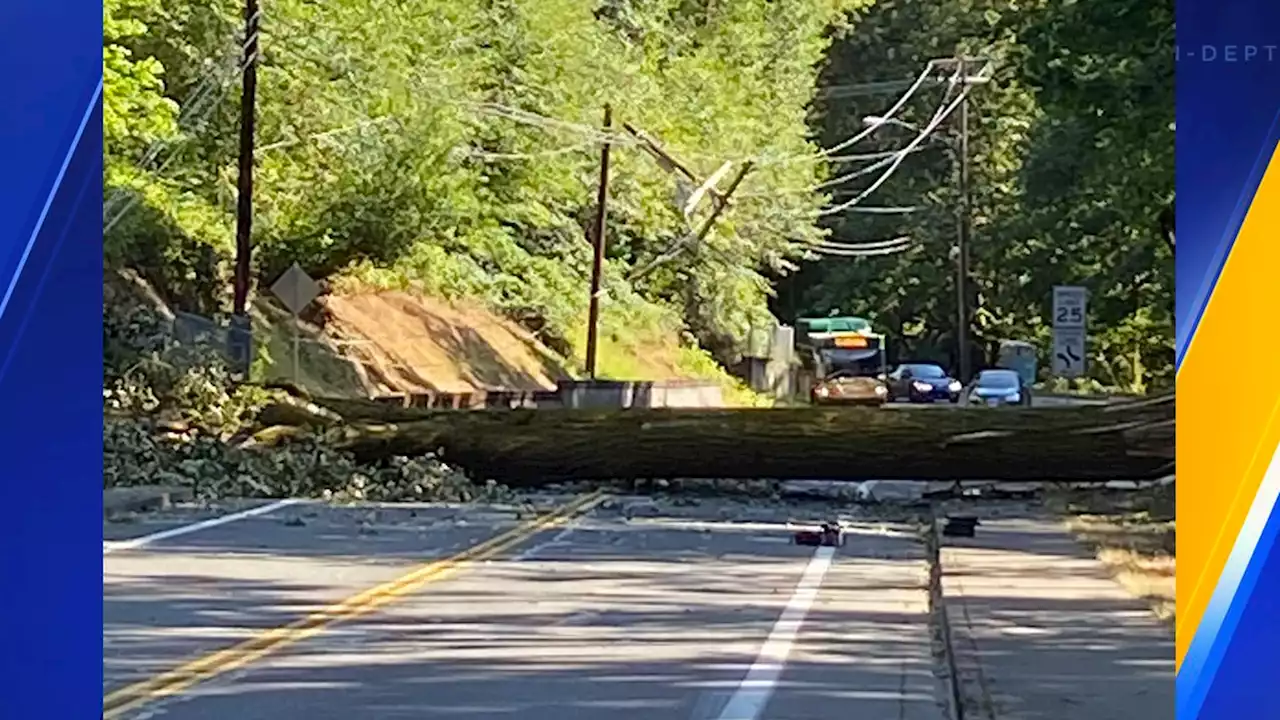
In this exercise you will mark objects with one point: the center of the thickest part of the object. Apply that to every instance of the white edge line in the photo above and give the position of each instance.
(114, 546)
(754, 691)
(48, 201)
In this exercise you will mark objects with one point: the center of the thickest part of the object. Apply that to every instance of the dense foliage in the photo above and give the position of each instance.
(1072, 165)
(453, 147)
(174, 417)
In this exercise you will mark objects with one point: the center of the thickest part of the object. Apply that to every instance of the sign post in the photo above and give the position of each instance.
(296, 290)
(1070, 306)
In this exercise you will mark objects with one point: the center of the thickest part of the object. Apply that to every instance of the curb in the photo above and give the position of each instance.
(142, 498)
(955, 699)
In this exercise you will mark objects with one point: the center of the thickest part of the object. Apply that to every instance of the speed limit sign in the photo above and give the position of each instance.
(1069, 307)
(1070, 303)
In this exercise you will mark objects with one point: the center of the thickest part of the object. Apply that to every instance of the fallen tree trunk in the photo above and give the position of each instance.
(531, 447)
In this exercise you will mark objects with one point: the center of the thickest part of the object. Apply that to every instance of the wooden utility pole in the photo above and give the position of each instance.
(965, 229)
(695, 241)
(723, 203)
(597, 262)
(669, 162)
(1167, 225)
(239, 339)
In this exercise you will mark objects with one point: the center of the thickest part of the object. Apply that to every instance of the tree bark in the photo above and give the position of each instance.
(1131, 440)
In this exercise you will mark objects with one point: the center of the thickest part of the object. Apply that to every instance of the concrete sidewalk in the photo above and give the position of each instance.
(1041, 631)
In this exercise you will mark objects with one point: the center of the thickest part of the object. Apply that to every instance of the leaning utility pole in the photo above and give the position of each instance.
(597, 263)
(239, 338)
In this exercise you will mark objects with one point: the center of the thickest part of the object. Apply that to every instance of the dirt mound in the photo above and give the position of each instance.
(408, 344)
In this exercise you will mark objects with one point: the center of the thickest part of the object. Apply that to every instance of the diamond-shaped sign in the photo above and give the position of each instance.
(296, 289)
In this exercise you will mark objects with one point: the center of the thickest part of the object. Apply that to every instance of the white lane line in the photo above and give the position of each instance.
(109, 547)
(753, 693)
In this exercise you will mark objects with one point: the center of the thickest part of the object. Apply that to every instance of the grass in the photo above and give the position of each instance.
(1134, 534)
(636, 345)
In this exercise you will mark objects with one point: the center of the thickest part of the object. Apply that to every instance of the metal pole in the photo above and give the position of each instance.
(240, 328)
(597, 263)
(962, 264)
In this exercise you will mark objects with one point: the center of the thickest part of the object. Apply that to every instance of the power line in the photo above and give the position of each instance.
(367, 122)
(891, 158)
(206, 109)
(887, 247)
(864, 89)
(886, 210)
(531, 118)
(860, 136)
(897, 161)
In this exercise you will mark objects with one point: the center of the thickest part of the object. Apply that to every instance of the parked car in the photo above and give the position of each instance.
(921, 383)
(998, 387)
(849, 388)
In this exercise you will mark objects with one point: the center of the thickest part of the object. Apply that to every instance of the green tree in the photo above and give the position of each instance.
(1071, 161)
(449, 147)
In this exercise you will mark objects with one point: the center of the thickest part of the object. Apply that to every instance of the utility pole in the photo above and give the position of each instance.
(240, 338)
(597, 263)
(1167, 217)
(965, 227)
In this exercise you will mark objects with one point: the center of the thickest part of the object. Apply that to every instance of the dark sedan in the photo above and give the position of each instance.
(922, 383)
(999, 387)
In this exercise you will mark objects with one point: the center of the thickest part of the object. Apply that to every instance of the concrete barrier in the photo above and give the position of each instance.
(574, 394)
(640, 394)
(481, 399)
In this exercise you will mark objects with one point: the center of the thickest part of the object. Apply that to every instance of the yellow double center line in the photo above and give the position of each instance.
(178, 680)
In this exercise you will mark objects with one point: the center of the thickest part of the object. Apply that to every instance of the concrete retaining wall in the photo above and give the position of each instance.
(575, 394)
(640, 394)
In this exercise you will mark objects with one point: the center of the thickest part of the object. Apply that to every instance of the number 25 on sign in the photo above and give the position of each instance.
(1069, 304)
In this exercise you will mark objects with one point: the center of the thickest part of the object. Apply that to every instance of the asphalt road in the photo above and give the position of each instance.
(702, 611)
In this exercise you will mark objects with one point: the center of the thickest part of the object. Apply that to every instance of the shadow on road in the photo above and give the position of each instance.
(626, 619)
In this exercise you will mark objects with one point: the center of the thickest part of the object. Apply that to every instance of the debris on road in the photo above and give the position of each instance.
(830, 534)
(824, 489)
(642, 507)
(963, 526)
(891, 491)
(141, 498)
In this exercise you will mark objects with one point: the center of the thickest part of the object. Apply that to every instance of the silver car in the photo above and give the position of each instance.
(995, 388)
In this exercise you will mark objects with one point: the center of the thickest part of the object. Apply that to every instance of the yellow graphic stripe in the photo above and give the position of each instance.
(1226, 404)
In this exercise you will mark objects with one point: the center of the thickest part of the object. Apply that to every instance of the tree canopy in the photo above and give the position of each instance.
(453, 147)
(1071, 146)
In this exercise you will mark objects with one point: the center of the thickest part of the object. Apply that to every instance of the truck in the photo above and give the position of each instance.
(1019, 356)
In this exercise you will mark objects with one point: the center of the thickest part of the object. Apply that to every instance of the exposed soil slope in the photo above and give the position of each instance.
(408, 344)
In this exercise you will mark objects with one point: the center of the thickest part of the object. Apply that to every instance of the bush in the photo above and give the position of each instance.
(174, 415)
